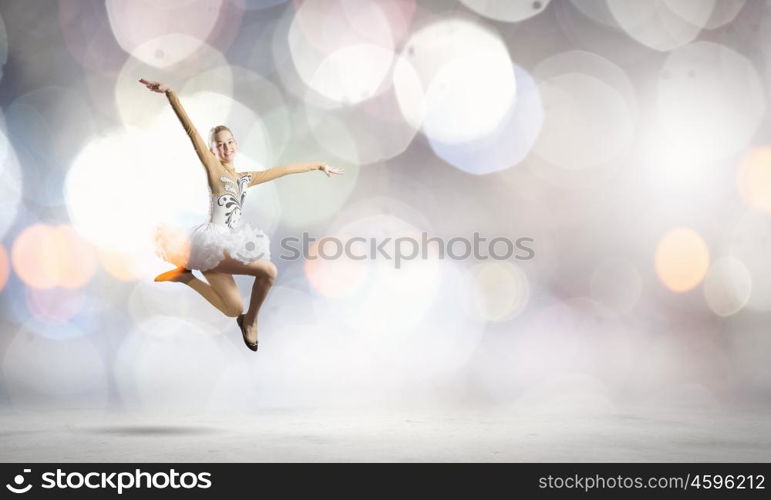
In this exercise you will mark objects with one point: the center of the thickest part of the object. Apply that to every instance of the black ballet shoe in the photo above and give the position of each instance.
(240, 321)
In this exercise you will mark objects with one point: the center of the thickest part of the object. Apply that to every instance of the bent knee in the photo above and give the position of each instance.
(266, 270)
(271, 272)
(233, 309)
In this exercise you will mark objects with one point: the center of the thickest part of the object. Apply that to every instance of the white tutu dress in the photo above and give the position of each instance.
(204, 246)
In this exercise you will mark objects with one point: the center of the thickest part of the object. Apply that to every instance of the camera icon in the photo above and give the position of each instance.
(18, 480)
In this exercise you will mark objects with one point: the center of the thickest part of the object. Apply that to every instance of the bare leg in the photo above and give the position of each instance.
(222, 286)
(220, 297)
(264, 273)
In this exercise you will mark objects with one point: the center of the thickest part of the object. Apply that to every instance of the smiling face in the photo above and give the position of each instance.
(224, 146)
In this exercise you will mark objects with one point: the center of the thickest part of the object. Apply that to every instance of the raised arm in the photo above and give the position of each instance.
(201, 149)
(260, 176)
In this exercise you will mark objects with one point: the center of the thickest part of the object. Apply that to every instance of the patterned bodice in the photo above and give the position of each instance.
(225, 208)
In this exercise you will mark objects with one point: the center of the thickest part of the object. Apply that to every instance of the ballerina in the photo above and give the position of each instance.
(224, 246)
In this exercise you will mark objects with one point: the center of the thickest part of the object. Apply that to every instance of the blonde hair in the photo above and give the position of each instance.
(216, 130)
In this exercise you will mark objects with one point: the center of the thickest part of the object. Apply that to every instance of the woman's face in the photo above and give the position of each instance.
(225, 146)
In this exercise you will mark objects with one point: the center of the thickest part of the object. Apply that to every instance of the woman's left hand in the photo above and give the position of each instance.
(330, 170)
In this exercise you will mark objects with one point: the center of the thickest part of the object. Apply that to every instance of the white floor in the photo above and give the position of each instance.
(310, 435)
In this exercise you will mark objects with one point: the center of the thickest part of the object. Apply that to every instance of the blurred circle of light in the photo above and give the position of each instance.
(54, 305)
(724, 12)
(119, 265)
(511, 11)
(509, 143)
(312, 197)
(596, 10)
(371, 131)
(617, 284)
(728, 286)
(139, 107)
(5, 267)
(45, 257)
(336, 277)
(49, 124)
(343, 50)
(160, 180)
(720, 12)
(410, 289)
(500, 290)
(62, 370)
(168, 363)
(750, 244)
(11, 182)
(454, 79)
(681, 259)
(705, 72)
(138, 27)
(588, 24)
(76, 257)
(590, 110)
(661, 24)
(754, 178)
(88, 37)
(446, 337)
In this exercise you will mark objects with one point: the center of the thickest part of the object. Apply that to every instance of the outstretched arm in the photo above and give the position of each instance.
(260, 176)
(199, 145)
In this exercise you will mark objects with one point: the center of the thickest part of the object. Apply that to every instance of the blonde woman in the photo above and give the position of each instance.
(224, 246)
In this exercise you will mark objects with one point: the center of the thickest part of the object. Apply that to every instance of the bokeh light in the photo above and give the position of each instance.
(661, 24)
(500, 291)
(583, 94)
(339, 276)
(507, 10)
(53, 122)
(509, 143)
(754, 178)
(140, 108)
(53, 256)
(370, 132)
(54, 305)
(343, 50)
(454, 78)
(705, 72)
(728, 286)
(141, 27)
(88, 36)
(681, 259)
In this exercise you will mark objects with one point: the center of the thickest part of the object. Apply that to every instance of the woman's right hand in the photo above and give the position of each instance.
(155, 86)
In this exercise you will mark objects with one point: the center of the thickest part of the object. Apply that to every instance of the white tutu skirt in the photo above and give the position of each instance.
(204, 246)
